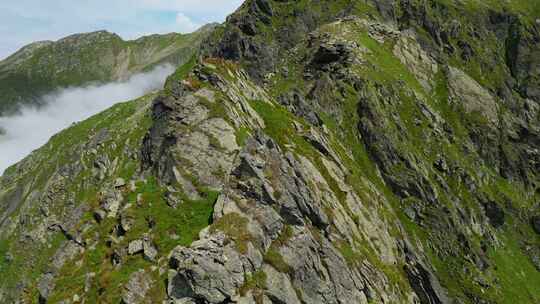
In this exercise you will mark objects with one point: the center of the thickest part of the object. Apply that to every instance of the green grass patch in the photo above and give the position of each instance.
(170, 227)
(389, 67)
(274, 258)
(242, 134)
(185, 221)
(255, 281)
(181, 72)
(278, 121)
(518, 278)
(235, 226)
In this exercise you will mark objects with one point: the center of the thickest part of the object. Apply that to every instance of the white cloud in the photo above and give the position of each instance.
(185, 24)
(190, 6)
(32, 127)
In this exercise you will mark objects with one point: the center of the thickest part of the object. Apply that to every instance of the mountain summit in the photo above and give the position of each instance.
(378, 151)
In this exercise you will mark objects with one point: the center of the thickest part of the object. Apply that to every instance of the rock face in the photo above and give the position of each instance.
(315, 152)
(277, 240)
(137, 287)
(210, 271)
(473, 97)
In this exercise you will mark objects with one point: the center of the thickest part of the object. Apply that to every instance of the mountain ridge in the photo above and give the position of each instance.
(314, 152)
(81, 59)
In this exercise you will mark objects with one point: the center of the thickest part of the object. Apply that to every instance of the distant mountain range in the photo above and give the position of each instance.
(98, 57)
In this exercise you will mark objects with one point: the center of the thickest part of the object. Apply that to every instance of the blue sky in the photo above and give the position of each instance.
(26, 21)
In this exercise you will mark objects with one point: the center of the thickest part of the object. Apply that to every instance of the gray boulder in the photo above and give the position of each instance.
(135, 247)
(136, 289)
(211, 270)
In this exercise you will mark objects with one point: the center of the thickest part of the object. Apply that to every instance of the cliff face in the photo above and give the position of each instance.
(82, 59)
(317, 152)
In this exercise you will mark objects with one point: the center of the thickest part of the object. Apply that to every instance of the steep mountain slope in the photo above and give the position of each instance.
(317, 152)
(80, 59)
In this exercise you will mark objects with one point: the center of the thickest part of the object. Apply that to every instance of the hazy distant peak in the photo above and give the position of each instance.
(101, 56)
(97, 35)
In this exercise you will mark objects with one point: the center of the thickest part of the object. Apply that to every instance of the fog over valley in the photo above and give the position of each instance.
(31, 127)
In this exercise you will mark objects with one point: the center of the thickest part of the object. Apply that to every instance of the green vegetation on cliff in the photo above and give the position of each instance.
(315, 152)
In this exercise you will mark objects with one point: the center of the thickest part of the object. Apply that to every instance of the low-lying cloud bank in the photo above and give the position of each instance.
(32, 127)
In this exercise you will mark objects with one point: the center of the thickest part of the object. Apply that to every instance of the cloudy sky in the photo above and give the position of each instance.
(26, 21)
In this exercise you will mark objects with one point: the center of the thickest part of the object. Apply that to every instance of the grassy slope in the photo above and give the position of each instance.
(62, 149)
(513, 276)
(184, 222)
